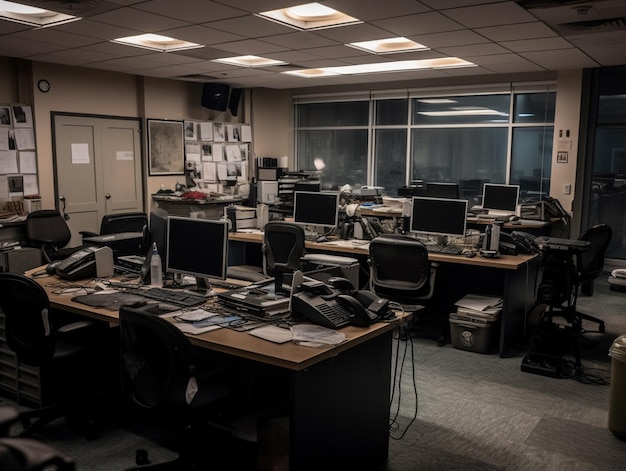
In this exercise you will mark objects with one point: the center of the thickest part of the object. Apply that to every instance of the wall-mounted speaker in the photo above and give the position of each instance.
(233, 103)
(215, 96)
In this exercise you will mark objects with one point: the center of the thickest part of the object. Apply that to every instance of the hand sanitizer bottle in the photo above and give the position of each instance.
(156, 271)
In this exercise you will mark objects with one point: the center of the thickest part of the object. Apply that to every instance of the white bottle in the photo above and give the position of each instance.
(156, 271)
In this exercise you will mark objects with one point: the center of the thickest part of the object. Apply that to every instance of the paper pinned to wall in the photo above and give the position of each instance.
(4, 187)
(80, 153)
(8, 161)
(124, 155)
(218, 152)
(246, 133)
(206, 131)
(24, 138)
(31, 187)
(4, 139)
(28, 162)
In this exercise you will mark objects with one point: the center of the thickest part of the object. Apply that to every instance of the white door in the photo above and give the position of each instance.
(97, 165)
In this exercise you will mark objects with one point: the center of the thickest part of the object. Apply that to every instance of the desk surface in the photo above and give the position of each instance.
(241, 344)
(358, 247)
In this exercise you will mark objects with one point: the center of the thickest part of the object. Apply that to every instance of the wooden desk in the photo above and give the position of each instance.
(511, 276)
(338, 397)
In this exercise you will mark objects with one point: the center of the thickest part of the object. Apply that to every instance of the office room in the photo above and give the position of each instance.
(450, 407)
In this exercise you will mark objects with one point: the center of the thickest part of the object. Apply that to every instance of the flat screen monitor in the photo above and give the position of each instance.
(197, 247)
(158, 232)
(500, 197)
(439, 216)
(316, 208)
(442, 190)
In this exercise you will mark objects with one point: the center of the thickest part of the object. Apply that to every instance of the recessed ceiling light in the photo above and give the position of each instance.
(309, 16)
(436, 101)
(389, 46)
(32, 16)
(249, 61)
(156, 42)
(382, 67)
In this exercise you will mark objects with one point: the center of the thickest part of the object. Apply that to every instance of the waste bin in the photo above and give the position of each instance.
(617, 394)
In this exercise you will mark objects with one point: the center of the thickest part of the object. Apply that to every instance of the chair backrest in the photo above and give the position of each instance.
(589, 264)
(123, 222)
(399, 268)
(25, 454)
(47, 227)
(28, 332)
(158, 362)
(283, 246)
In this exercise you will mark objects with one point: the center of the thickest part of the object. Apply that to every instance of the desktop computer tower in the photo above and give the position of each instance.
(267, 191)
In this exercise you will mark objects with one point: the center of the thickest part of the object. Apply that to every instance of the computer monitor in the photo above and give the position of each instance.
(197, 247)
(442, 190)
(500, 198)
(316, 208)
(439, 216)
(158, 232)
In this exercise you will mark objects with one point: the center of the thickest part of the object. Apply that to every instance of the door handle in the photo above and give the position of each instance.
(107, 196)
(65, 215)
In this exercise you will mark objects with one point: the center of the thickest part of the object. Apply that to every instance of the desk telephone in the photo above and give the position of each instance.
(81, 264)
(336, 308)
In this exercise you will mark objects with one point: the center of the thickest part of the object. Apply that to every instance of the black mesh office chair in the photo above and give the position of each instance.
(48, 230)
(283, 248)
(166, 379)
(589, 264)
(62, 355)
(563, 274)
(401, 271)
(25, 454)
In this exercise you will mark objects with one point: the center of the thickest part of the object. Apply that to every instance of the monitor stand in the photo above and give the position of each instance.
(203, 287)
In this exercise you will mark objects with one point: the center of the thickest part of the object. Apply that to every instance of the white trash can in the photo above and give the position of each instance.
(617, 394)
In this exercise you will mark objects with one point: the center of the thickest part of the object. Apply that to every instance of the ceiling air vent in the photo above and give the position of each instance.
(595, 26)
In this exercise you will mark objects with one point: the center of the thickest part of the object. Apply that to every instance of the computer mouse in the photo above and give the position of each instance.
(513, 218)
(322, 239)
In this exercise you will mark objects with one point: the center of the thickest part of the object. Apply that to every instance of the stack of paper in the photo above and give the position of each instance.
(480, 306)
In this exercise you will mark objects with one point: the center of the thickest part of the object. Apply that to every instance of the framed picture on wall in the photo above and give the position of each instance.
(166, 147)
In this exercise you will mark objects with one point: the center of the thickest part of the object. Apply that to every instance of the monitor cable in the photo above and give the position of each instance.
(397, 431)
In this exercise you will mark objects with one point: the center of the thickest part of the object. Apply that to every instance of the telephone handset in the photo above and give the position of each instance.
(81, 264)
(359, 316)
(552, 208)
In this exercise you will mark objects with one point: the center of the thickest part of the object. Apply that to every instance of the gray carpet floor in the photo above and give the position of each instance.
(456, 409)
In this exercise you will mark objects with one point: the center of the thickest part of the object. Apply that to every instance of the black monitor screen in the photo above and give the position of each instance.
(316, 209)
(500, 197)
(442, 190)
(440, 216)
(197, 247)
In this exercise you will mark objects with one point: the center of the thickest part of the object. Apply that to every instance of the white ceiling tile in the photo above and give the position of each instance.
(300, 40)
(486, 49)
(418, 24)
(248, 46)
(138, 20)
(449, 38)
(368, 10)
(515, 32)
(202, 35)
(543, 44)
(505, 13)
(250, 27)
(191, 10)
(564, 60)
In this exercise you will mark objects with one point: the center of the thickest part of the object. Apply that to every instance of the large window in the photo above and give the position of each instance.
(390, 138)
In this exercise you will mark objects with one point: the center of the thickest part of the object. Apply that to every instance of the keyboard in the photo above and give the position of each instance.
(449, 249)
(170, 296)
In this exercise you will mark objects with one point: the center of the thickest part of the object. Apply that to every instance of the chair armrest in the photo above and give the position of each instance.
(88, 233)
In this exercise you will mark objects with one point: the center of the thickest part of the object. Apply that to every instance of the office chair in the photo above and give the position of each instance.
(48, 230)
(563, 274)
(283, 248)
(589, 264)
(25, 454)
(127, 223)
(120, 222)
(166, 379)
(401, 271)
(61, 354)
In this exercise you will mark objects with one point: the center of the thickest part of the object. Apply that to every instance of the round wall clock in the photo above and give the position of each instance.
(43, 85)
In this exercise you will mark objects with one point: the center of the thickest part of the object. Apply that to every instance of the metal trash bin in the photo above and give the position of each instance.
(617, 394)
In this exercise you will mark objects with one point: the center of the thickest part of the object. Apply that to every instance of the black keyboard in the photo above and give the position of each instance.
(449, 249)
(336, 315)
(170, 296)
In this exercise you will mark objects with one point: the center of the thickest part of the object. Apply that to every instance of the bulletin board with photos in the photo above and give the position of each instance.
(18, 156)
(217, 153)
